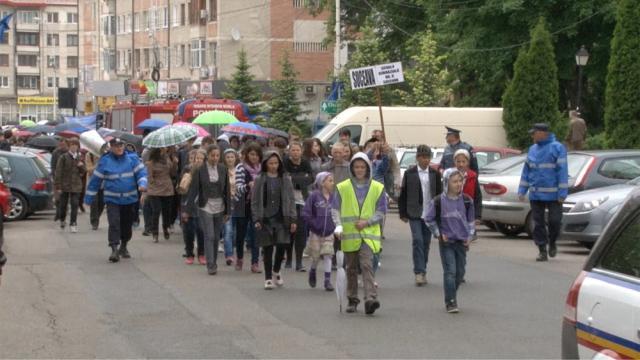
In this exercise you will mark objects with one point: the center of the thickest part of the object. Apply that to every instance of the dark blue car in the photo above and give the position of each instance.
(29, 182)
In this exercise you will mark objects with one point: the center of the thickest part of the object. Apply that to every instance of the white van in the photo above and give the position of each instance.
(410, 126)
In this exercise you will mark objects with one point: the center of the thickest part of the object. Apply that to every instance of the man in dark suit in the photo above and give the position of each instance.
(420, 184)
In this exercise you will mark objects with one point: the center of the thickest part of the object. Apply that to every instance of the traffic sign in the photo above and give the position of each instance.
(329, 106)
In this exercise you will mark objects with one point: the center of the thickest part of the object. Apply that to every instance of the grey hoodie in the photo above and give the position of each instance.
(361, 190)
(456, 220)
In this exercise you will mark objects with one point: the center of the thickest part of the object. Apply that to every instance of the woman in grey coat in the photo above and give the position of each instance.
(274, 213)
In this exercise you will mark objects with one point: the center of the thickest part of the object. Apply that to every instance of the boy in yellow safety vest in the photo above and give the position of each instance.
(358, 211)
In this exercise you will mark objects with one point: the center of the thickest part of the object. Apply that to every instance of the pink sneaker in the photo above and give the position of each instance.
(202, 260)
(189, 260)
(255, 268)
(239, 265)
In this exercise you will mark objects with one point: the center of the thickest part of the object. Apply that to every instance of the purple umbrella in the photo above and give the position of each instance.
(244, 128)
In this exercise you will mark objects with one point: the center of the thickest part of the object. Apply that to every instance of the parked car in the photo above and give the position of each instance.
(407, 157)
(587, 170)
(602, 310)
(43, 155)
(29, 183)
(587, 213)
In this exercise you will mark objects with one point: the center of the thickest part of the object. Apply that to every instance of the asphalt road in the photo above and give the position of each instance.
(60, 298)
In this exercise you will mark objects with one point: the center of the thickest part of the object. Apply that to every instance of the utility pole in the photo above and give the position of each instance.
(133, 39)
(336, 52)
(169, 40)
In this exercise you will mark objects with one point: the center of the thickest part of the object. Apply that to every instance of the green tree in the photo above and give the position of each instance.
(285, 106)
(426, 80)
(368, 52)
(532, 95)
(241, 86)
(622, 109)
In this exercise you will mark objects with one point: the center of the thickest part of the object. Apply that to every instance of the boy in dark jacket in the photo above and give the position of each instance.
(70, 170)
(420, 184)
(451, 219)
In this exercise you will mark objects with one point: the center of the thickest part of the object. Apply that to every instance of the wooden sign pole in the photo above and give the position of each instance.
(384, 136)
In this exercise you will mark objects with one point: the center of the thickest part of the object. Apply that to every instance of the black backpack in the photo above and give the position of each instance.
(438, 206)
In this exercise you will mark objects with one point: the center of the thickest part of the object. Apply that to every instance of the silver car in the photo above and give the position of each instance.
(588, 212)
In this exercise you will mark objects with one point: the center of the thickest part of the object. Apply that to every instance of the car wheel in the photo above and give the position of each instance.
(508, 229)
(19, 207)
(588, 245)
(490, 224)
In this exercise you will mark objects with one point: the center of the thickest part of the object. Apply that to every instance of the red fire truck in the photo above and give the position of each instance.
(190, 109)
(125, 115)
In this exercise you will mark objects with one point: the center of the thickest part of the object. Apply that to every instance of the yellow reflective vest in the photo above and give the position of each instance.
(350, 212)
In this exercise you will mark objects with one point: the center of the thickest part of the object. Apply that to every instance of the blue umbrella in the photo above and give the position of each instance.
(152, 124)
(71, 126)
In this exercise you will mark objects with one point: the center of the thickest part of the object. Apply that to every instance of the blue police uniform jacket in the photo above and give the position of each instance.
(545, 174)
(119, 177)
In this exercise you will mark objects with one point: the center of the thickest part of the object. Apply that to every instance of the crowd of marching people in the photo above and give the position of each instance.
(272, 204)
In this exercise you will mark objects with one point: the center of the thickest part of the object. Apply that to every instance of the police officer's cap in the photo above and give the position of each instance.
(539, 127)
(452, 131)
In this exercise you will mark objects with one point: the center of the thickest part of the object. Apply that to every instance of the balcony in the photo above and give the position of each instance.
(28, 70)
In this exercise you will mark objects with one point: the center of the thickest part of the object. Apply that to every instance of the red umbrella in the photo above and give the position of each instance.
(201, 131)
(69, 134)
(23, 133)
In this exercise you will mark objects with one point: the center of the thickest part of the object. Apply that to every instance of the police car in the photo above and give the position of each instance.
(602, 313)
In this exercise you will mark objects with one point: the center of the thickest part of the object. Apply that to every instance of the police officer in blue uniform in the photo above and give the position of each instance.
(121, 175)
(454, 144)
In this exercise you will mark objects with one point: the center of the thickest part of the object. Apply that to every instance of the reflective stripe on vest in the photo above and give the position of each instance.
(350, 212)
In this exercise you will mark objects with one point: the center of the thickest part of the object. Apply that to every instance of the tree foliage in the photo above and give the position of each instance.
(622, 111)
(285, 106)
(532, 96)
(241, 86)
(427, 78)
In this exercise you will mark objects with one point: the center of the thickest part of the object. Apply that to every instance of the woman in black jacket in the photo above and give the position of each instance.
(210, 185)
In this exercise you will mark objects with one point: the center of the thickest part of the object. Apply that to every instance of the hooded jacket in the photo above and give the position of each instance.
(317, 210)
(259, 193)
(361, 190)
(456, 220)
(545, 174)
(119, 176)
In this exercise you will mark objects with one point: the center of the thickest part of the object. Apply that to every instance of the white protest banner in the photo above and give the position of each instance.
(376, 75)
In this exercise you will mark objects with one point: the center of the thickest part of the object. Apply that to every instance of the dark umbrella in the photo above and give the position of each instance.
(45, 129)
(43, 142)
(126, 137)
(276, 132)
(75, 127)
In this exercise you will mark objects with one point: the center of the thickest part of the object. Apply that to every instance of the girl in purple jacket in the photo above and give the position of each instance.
(317, 215)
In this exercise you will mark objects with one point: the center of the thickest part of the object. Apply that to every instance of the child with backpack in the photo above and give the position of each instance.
(317, 216)
(451, 219)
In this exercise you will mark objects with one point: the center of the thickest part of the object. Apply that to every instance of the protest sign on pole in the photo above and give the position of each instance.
(376, 76)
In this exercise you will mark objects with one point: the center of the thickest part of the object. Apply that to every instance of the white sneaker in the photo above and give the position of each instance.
(74, 229)
(279, 280)
(268, 285)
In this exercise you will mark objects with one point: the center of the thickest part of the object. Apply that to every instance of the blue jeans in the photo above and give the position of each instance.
(229, 233)
(421, 241)
(454, 259)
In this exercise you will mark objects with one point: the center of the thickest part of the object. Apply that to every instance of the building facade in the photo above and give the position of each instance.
(38, 55)
(199, 40)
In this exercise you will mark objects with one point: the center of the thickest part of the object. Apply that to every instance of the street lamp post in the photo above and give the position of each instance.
(582, 57)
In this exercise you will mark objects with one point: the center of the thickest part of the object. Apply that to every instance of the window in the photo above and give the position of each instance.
(128, 22)
(198, 53)
(309, 47)
(175, 15)
(53, 40)
(53, 61)
(72, 18)
(72, 40)
(146, 58)
(52, 17)
(128, 58)
(159, 18)
(623, 255)
(136, 21)
(109, 25)
(72, 82)
(165, 58)
(213, 53)
(4, 59)
(5, 39)
(152, 19)
(28, 82)
(108, 59)
(28, 60)
(165, 17)
(136, 60)
(183, 55)
(213, 10)
(72, 62)
(28, 39)
(356, 131)
(183, 14)
(27, 17)
(145, 19)
(5, 166)
(624, 169)
(50, 82)
(4, 81)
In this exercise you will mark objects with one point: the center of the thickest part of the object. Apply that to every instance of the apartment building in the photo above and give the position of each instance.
(198, 40)
(37, 56)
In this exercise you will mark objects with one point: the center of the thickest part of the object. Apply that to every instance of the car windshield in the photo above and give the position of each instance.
(576, 164)
(408, 159)
(501, 165)
(324, 131)
(635, 182)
